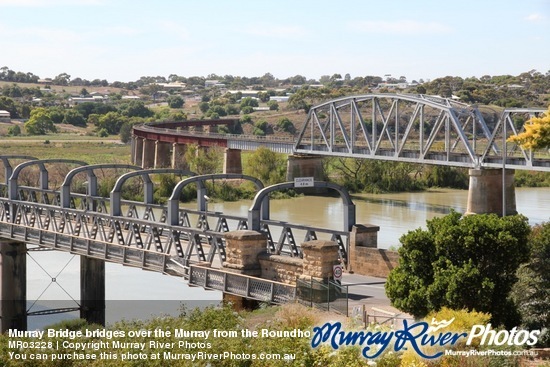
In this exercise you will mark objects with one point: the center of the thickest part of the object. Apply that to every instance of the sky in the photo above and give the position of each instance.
(122, 40)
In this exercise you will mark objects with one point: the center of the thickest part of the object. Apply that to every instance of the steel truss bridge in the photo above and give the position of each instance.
(161, 238)
(418, 129)
(394, 127)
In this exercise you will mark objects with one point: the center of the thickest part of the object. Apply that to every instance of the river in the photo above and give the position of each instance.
(136, 293)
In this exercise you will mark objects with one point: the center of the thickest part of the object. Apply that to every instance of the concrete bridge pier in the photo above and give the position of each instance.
(92, 290)
(137, 151)
(148, 154)
(178, 151)
(232, 161)
(485, 192)
(92, 275)
(13, 284)
(299, 165)
(162, 154)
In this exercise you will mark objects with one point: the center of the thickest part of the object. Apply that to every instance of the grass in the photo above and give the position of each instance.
(91, 151)
(64, 89)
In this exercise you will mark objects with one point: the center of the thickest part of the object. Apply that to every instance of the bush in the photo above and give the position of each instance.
(462, 263)
(103, 133)
(260, 127)
(126, 132)
(532, 291)
(286, 125)
(175, 102)
(247, 109)
(14, 130)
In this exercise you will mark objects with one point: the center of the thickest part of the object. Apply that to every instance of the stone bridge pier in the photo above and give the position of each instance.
(488, 190)
(247, 254)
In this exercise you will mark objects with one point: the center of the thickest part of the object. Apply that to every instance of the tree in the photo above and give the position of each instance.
(273, 105)
(175, 102)
(204, 106)
(9, 105)
(260, 127)
(111, 122)
(462, 263)
(536, 134)
(57, 114)
(532, 291)
(267, 166)
(136, 109)
(203, 161)
(14, 130)
(249, 102)
(286, 125)
(126, 132)
(74, 118)
(216, 110)
(62, 79)
(40, 123)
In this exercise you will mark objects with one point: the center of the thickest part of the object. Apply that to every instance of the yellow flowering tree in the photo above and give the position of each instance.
(536, 134)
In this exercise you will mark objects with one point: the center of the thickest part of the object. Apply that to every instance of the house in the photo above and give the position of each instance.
(78, 100)
(46, 81)
(5, 116)
(279, 98)
(246, 93)
(213, 83)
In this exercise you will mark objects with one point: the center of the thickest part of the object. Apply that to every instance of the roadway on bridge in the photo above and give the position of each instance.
(368, 291)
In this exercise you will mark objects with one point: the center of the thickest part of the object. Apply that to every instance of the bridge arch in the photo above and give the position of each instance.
(8, 169)
(12, 182)
(255, 215)
(173, 201)
(92, 179)
(116, 193)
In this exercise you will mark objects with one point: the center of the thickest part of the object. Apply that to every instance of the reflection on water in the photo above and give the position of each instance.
(53, 280)
(396, 214)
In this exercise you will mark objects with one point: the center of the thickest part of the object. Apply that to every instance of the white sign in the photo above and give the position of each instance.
(337, 272)
(303, 182)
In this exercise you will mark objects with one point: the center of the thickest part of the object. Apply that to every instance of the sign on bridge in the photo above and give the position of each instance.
(303, 182)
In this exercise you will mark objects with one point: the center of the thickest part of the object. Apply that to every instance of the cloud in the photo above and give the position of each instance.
(119, 30)
(176, 29)
(48, 3)
(399, 27)
(535, 17)
(40, 35)
(276, 31)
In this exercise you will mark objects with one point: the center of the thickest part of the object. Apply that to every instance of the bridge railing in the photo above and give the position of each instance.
(283, 238)
(72, 231)
(241, 285)
(107, 233)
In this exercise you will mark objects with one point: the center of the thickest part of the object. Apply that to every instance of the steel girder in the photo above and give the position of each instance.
(511, 154)
(410, 128)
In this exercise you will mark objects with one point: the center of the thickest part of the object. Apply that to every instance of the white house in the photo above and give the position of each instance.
(78, 100)
(5, 116)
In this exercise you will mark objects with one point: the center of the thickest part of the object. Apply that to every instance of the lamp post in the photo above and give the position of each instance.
(504, 168)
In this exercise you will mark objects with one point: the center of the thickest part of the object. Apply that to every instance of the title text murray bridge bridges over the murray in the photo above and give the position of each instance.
(249, 256)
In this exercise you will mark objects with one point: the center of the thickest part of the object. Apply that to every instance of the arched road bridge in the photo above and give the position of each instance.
(197, 244)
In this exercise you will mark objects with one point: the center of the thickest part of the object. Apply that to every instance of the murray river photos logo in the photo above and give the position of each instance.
(418, 336)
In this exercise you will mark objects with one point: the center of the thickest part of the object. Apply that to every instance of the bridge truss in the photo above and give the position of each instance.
(417, 129)
(162, 238)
